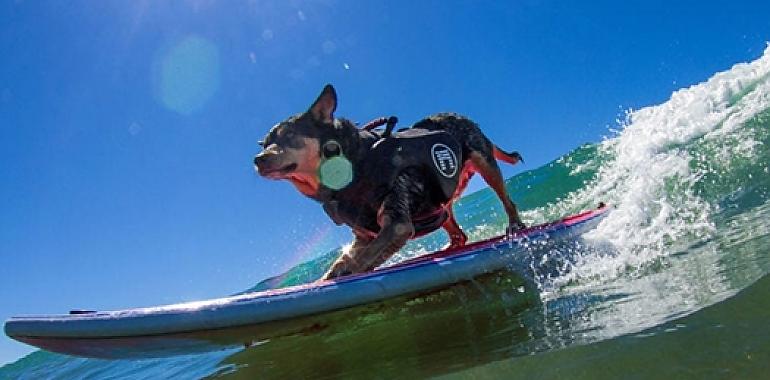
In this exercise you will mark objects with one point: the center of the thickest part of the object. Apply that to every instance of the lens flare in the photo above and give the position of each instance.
(188, 75)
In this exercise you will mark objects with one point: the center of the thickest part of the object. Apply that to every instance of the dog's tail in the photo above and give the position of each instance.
(512, 158)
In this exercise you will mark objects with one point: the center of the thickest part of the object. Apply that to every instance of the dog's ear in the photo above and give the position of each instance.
(324, 107)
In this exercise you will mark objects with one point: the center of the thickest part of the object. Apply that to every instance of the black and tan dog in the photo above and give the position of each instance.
(387, 188)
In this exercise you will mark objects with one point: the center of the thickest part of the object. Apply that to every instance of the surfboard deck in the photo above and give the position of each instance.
(253, 317)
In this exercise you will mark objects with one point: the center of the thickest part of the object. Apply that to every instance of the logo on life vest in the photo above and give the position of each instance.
(444, 159)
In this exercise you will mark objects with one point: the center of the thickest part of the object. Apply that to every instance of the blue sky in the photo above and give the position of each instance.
(128, 127)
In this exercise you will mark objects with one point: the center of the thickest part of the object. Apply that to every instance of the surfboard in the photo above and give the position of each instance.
(250, 318)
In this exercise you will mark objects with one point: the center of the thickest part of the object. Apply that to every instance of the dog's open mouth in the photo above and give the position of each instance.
(280, 171)
(288, 168)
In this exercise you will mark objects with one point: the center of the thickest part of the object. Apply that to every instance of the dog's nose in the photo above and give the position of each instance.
(262, 159)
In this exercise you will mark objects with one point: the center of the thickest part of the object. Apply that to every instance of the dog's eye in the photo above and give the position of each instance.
(261, 143)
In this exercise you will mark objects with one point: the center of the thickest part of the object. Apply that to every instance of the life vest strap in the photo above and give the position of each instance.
(390, 121)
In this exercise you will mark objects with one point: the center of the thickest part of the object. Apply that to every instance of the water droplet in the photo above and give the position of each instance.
(313, 61)
(328, 47)
(296, 74)
(134, 128)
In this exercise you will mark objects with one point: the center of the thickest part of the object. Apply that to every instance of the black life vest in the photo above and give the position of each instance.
(436, 154)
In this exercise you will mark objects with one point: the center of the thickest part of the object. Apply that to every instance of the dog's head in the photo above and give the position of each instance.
(292, 148)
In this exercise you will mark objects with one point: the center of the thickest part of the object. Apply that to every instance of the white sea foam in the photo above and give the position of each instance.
(650, 181)
(651, 174)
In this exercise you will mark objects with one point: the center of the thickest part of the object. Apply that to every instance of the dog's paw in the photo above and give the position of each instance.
(456, 241)
(341, 267)
(515, 227)
(334, 273)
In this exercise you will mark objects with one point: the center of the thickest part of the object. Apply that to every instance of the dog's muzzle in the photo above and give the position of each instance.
(259, 160)
(267, 165)
(263, 163)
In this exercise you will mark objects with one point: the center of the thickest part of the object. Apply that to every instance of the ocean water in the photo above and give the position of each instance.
(672, 284)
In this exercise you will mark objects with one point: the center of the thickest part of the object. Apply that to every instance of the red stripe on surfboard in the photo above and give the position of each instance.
(566, 222)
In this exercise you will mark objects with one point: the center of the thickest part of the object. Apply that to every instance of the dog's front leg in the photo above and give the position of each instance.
(393, 235)
(396, 229)
(345, 264)
(364, 257)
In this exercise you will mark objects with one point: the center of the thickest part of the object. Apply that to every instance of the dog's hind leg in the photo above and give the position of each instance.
(457, 237)
(487, 167)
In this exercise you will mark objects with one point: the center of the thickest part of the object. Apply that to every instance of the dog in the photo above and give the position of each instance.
(388, 188)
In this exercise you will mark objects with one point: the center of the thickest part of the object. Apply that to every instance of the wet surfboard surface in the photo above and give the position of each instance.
(252, 317)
